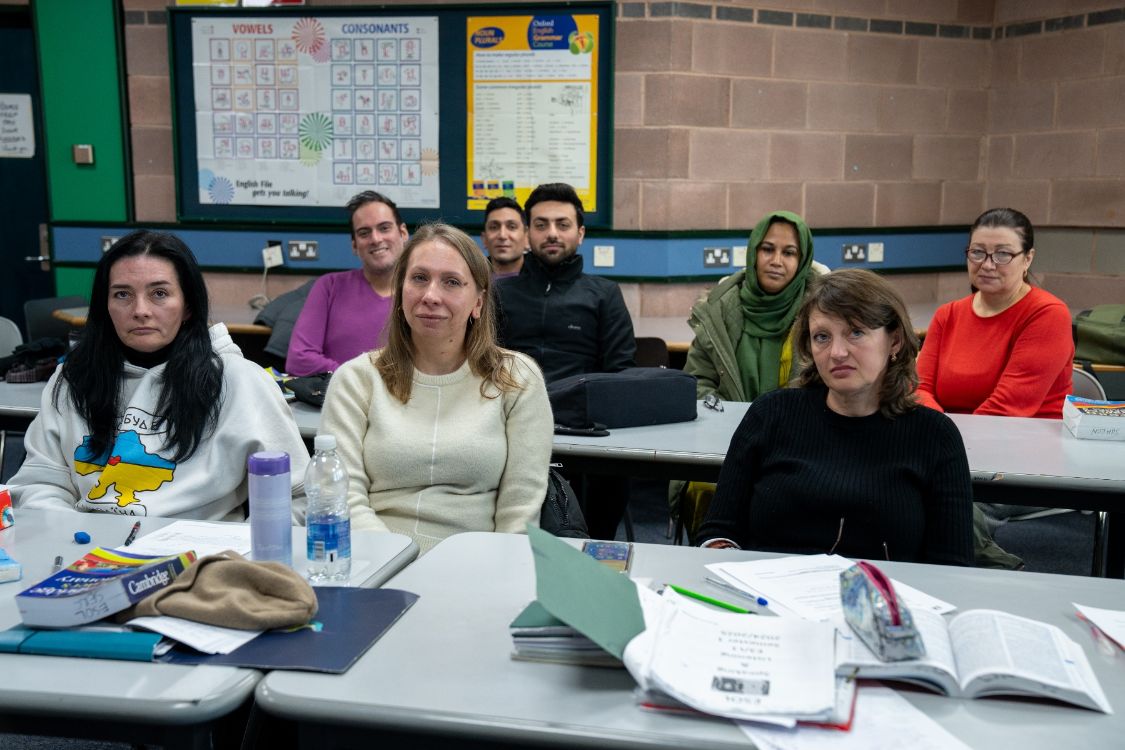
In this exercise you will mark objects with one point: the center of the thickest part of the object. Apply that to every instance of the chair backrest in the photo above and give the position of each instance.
(651, 352)
(1086, 385)
(40, 322)
(10, 337)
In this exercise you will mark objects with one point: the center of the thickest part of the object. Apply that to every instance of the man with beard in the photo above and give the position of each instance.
(570, 323)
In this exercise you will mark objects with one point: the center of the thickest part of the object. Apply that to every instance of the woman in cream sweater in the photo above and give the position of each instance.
(442, 431)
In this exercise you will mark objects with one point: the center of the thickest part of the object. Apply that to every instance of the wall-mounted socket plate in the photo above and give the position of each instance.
(855, 252)
(875, 252)
(107, 242)
(271, 256)
(303, 250)
(716, 257)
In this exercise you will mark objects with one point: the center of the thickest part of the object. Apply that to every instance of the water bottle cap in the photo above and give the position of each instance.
(325, 443)
(268, 463)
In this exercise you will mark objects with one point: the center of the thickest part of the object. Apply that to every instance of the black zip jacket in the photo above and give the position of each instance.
(569, 322)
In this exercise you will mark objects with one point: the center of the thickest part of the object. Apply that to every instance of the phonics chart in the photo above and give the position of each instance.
(308, 111)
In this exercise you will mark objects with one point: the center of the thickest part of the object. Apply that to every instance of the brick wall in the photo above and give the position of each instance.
(855, 113)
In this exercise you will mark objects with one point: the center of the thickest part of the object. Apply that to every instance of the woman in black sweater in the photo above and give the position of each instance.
(847, 462)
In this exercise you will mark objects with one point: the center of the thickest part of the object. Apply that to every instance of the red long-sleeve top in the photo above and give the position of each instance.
(1015, 364)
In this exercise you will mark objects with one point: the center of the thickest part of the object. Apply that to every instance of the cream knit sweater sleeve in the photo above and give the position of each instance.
(345, 414)
(529, 426)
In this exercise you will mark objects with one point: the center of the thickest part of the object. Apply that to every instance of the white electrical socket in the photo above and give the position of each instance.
(875, 252)
(271, 256)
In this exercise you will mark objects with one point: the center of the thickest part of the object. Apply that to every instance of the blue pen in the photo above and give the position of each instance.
(761, 601)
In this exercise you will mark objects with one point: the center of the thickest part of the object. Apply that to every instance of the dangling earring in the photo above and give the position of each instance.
(894, 356)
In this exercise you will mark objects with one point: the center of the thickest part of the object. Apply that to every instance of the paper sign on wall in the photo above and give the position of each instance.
(17, 128)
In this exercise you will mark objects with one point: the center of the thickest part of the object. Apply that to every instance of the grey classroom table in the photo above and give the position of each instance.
(175, 706)
(19, 404)
(442, 675)
(1015, 460)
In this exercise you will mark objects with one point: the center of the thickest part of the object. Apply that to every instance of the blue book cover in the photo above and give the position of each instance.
(350, 620)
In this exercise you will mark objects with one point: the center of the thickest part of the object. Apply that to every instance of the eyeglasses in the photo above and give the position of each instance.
(1000, 257)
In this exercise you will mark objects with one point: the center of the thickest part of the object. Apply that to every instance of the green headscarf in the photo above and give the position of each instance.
(766, 318)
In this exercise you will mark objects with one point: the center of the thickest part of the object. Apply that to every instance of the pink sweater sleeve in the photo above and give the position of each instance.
(306, 346)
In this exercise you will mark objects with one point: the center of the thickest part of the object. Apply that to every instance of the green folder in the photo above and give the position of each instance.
(598, 602)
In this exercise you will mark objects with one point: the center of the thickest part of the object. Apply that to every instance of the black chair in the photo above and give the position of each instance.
(651, 352)
(42, 324)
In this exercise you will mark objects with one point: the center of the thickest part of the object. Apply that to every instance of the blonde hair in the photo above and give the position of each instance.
(487, 361)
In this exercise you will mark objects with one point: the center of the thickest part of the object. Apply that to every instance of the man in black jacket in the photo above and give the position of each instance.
(570, 323)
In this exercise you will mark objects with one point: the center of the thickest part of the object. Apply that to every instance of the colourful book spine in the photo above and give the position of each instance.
(101, 583)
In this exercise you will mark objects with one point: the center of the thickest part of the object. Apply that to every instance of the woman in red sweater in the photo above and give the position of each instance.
(1007, 348)
(1004, 350)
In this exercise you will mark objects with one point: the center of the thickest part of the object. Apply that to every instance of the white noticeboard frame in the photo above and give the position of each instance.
(17, 127)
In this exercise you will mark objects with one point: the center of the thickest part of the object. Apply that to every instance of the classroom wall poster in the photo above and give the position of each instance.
(532, 105)
(294, 111)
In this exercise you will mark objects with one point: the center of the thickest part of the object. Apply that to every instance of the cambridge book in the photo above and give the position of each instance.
(984, 652)
(1094, 420)
(102, 583)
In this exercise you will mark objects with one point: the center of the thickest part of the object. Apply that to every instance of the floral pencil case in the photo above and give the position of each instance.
(877, 614)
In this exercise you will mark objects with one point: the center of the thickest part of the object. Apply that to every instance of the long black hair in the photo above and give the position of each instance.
(191, 386)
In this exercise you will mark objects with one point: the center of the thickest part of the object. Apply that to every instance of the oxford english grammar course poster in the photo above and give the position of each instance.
(532, 99)
(309, 111)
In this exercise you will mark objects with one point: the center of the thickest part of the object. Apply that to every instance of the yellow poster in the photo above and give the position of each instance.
(532, 106)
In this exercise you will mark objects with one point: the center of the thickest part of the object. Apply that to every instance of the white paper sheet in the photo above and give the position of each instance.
(210, 639)
(1109, 621)
(884, 720)
(809, 586)
(741, 666)
(202, 537)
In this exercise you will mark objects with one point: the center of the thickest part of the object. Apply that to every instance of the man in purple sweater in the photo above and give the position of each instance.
(346, 312)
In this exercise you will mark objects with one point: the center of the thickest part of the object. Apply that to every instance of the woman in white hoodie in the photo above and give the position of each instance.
(153, 412)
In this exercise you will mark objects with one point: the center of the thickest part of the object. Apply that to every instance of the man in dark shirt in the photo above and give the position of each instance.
(570, 323)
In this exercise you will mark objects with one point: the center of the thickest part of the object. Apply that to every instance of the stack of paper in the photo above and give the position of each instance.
(808, 586)
(539, 636)
(721, 663)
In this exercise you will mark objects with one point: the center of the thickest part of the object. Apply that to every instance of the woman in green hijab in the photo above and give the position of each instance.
(742, 348)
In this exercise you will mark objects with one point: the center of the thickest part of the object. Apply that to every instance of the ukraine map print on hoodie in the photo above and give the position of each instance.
(127, 467)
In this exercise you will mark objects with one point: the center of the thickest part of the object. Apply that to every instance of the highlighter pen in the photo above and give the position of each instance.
(133, 533)
(708, 600)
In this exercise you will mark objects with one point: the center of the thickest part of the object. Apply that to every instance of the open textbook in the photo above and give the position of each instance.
(983, 652)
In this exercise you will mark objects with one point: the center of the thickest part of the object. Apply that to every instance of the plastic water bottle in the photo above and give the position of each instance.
(328, 518)
(271, 507)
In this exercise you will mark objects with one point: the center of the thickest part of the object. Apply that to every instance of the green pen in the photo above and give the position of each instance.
(709, 600)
